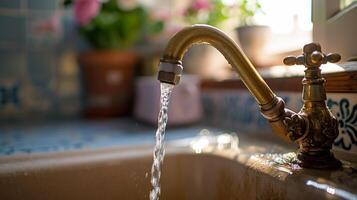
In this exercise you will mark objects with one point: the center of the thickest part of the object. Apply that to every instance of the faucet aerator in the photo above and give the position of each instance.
(170, 72)
(169, 77)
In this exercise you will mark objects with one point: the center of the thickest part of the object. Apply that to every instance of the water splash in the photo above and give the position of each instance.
(159, 150)
(286, 162)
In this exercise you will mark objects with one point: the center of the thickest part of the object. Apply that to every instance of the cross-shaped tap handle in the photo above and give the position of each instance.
(312, 57)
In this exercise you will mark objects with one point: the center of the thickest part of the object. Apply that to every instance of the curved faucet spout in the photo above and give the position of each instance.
(272, 107)
(313, 128)
(204, 34)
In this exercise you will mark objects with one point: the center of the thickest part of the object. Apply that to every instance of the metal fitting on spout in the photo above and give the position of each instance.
(170, 72)
(313, 128)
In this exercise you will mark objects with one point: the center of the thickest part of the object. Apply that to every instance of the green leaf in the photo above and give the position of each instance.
(116, 28)
(67, 3)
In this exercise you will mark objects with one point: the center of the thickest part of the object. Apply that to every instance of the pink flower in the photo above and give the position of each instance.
(201, 5)
(85, 10)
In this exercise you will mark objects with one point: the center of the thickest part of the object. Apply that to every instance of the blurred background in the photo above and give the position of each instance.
(98, 58)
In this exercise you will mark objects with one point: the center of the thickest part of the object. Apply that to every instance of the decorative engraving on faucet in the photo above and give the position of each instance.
(296, 127)
(347, 122)
(323, 131)
(330, 130)
(314, 128)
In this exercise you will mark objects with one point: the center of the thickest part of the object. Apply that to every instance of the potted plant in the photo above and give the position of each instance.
(203, 59)
(252, 37)
(111, 28)
(211, 12)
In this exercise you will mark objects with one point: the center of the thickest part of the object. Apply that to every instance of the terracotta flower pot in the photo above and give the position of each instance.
(253, 40)
(107, 82)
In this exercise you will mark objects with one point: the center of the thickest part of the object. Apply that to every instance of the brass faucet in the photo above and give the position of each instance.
(314, 128)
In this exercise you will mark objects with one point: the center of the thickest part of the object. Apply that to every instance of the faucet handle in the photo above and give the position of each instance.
(333, 57)
(312, 57)
(292, 60)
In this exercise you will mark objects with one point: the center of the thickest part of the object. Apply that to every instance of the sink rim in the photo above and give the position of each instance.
(243, 157)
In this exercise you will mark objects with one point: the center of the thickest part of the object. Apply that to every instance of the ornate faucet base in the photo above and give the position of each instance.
(319, 160)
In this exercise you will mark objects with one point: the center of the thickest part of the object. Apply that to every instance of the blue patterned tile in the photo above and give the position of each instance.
(12, 62)
(9, 95)
(31, 57)
(41, 68)
(238, 110)
(12, 72)
(44, 30)
(345, 110)
(13, 30)
(43, 5)
(78, 135)
(10, 3)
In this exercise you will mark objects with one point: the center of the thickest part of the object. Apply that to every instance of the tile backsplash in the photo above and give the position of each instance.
(344, 107)
(237, 109)
(38, 70)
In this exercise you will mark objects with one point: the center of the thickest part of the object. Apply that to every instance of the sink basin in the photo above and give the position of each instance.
(125, 174)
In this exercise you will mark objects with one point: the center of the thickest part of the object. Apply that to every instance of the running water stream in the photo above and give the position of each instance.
(159, 150)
